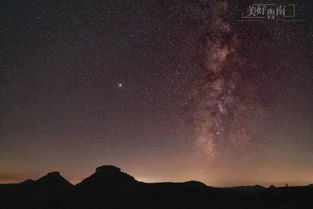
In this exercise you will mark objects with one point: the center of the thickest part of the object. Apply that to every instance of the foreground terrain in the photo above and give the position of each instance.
(109, 188)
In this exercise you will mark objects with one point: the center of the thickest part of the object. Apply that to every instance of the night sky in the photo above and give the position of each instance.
(166, 90)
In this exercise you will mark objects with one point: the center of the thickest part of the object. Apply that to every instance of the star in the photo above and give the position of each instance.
(120, 85)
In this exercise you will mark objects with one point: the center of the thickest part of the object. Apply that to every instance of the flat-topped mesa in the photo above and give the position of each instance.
(107, 176)
(108, 169)
(54, 173)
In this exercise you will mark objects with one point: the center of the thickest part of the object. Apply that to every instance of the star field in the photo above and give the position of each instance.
(166, 90)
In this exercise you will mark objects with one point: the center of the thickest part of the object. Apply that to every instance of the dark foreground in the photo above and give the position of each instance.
(109, 188)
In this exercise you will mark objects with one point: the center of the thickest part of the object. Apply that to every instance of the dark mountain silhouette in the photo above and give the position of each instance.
(110, 188)
(256, 188)
(33, 194)
(54, 181)
(28, 181)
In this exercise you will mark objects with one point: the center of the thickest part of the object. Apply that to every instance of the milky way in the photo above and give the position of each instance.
(225, 100)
